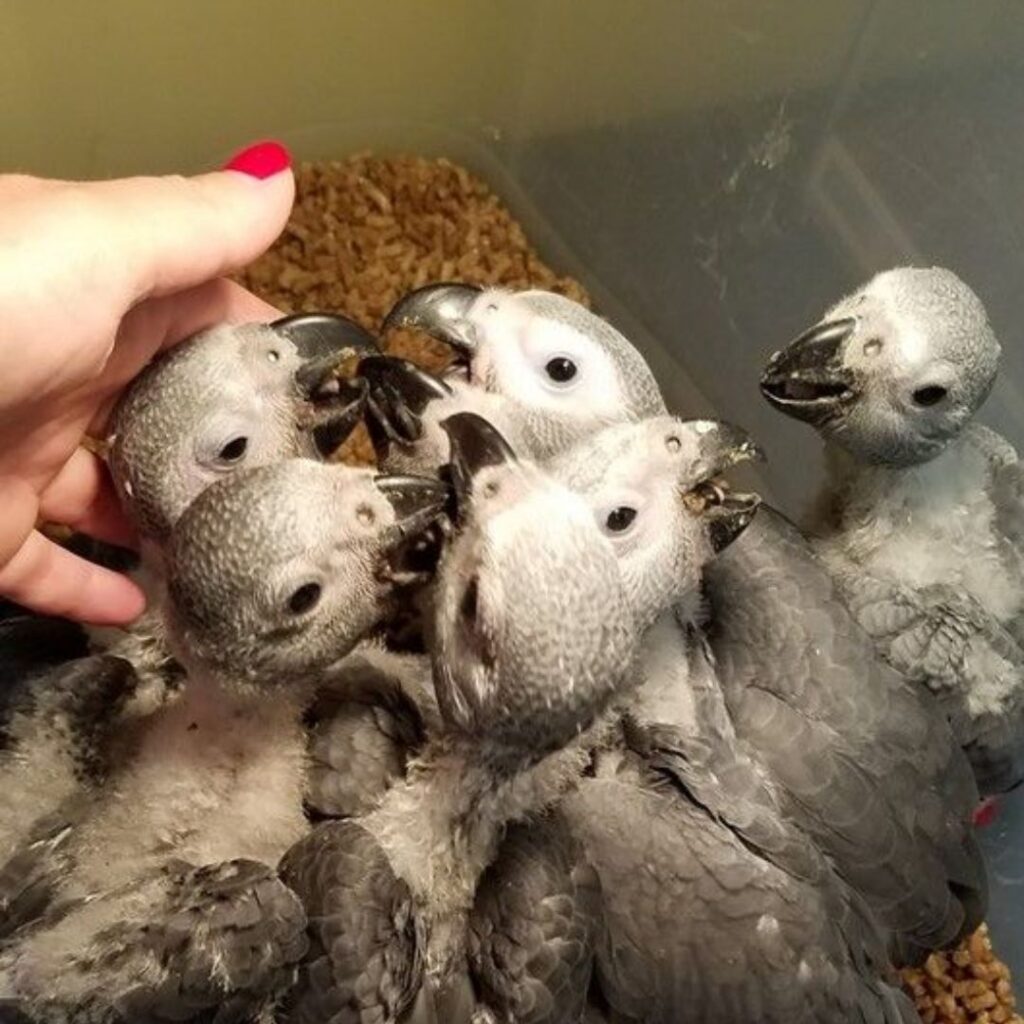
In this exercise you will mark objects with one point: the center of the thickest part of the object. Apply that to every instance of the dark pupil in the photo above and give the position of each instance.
(304, 598)
(620, 518)
(931, 395)
(234, 450)
(561, 369)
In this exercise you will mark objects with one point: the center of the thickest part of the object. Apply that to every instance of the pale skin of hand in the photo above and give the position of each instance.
(96, 279)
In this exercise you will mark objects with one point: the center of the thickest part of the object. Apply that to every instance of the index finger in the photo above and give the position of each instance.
(48, 579)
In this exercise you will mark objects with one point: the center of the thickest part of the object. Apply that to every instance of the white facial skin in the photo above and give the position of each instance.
(533, 630)
(545, 364)
(634, 477)
(221, 402)
(919, 361)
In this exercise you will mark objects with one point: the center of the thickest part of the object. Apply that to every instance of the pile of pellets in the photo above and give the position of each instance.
(369, 229)
(967, 986)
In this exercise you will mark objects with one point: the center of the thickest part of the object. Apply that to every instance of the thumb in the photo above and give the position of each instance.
(172, 233)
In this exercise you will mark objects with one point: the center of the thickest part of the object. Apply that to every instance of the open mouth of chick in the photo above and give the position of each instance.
(707, 494)
(804, 391)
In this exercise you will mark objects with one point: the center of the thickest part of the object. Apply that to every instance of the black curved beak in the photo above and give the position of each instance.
(417, 502)
(725, 513)
(475, 444)
(807, 379)
(398, 392)
(442, 311)
(330, 346)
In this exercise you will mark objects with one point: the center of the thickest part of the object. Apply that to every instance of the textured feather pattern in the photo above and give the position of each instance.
(213, 944)
(61, 736)
(369, 717)
(534, 926)
(863, 762)
(699, 927)
(945, 640)
(363, 965)
(930, 558)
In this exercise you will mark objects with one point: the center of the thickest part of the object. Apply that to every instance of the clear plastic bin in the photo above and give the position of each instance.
(717, 172)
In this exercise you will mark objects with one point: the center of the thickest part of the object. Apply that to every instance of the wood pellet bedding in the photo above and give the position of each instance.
(368, 229)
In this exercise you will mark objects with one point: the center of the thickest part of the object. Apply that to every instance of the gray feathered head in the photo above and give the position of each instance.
(533, 633)
(278, 571)
(231, 397)
(563, 371)
(656, 492)
(894, 371)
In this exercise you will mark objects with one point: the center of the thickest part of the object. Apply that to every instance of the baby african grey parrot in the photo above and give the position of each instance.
(392, 896)
(167, 905)
(541, 368)
(717, 906)
(841, 733)
(922, 517)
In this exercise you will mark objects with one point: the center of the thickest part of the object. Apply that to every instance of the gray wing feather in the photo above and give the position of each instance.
(534, 924)
(864, 762)
(363, 964)
(81, 701)
(228, 943)
(700, 928)
(30, 879)
(218, 944)
(945, 640)
(364, 725)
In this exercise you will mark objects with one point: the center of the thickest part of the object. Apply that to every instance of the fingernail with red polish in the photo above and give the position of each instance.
(263, 160)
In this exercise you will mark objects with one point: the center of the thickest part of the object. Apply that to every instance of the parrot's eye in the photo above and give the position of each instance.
(305, 598)
(561, 369)
(930, 395)
(234, 450)
(620, 519)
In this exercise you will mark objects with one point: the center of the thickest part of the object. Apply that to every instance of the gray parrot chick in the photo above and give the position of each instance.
(521, 697)
(282, 572)
(922, 516)
(681, 778)
(893, 372)
(232, 397)
(657, 492)
(167, 900)
(768, 689)
(542, 368)
(492, 657)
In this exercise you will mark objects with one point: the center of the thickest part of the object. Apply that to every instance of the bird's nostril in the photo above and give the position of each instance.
(469, 603)
(365, 515)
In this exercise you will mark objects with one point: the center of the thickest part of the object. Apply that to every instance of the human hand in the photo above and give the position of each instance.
(95, 279)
